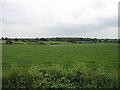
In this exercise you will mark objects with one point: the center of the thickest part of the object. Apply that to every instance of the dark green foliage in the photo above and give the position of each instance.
(16, 39)
(43, 39)
(6, 38)
(2, 38)
(118, 40)
(57, 76)
(9, 42)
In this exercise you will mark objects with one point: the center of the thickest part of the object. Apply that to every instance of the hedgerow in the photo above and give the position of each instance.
(58, 76)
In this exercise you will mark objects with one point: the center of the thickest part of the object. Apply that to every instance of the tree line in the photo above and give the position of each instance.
(65, 39)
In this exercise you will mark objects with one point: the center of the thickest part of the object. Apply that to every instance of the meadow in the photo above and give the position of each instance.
(40, 64)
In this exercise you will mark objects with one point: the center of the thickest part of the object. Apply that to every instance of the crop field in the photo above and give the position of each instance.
(53, 58)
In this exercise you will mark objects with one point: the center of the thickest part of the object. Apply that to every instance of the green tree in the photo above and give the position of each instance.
(16, 39)
(2, 38)
(43, 39)
(6, 38)
(9, 42)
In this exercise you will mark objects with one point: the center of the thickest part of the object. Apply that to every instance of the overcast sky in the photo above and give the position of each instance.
(59, 18)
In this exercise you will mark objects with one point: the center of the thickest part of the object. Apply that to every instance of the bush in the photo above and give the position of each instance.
(9, 42)
(57, 76)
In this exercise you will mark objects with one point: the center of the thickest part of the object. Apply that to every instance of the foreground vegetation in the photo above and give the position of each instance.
(57, 76)
(91, 65)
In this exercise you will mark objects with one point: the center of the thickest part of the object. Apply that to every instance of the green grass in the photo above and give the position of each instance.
(49, 42)
(92, 56)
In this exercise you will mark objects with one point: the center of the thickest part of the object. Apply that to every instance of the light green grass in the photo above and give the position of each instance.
(52, 42)
(93, 55)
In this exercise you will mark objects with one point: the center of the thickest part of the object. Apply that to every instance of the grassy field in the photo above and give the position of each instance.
(66, 57)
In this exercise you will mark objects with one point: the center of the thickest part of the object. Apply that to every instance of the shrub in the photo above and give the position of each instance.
(9, 42)
(57, 76)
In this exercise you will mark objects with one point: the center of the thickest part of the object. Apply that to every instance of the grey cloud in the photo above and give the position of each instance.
(36, 20)
(71, 30)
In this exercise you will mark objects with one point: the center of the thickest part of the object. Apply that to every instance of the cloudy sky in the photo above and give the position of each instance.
(59, 18)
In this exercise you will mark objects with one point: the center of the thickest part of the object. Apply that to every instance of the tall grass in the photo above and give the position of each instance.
(58, 76)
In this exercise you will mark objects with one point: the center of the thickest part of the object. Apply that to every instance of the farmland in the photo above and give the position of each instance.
(66, 57)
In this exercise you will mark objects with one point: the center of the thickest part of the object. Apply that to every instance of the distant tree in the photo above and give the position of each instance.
(36, 39)
(9, 42)
(2, 38)
(16, 39)
(106, 40)
(94, 40)
(43, 39)
(118, 40)
(6, 38)
(99, 40)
